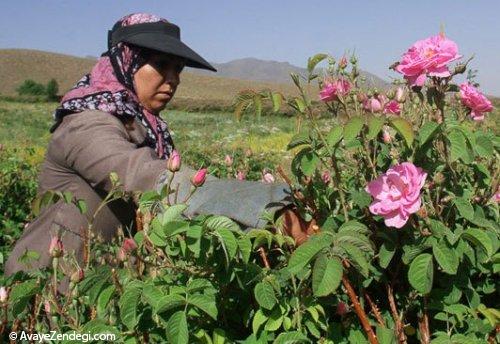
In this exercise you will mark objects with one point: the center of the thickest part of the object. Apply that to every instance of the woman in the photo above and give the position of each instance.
(109, 122)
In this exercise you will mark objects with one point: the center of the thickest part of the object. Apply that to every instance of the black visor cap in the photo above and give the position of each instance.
(160, 36)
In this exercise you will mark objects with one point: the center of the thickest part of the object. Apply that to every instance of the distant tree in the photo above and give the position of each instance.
(31, 88)
(52, 89)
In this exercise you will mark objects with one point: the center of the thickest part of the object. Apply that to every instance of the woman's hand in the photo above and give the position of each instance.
(296, 227)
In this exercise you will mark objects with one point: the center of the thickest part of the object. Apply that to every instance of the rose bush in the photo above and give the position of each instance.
(400, 243)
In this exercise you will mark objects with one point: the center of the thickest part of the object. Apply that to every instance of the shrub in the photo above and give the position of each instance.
(31, 88)
(52, 90)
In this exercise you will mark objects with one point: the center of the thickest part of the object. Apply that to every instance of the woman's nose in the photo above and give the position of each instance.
(172, 77)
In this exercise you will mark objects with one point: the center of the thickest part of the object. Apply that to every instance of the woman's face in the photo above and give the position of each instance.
(157, 81)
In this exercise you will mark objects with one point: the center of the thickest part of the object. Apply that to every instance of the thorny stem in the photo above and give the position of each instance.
(397, 319)
(360, 312)
(374, 308)
(263, 255)
(423, 324)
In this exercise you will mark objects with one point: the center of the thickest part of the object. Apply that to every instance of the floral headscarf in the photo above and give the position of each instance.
(110, 88)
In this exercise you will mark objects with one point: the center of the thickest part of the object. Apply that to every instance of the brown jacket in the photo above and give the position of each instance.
(85, 149)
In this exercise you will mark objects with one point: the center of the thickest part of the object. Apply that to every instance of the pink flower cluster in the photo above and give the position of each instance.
(475, 101)
(333, 90)
(428, 57)
(396, 193)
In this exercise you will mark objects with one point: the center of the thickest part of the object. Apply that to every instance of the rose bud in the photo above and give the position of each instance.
(56, 248)
(361, 97)
(240, 175)
(121, 256)
(174, 161)
(326, 177)
(228, 160)
(342, 308)
(386, 136)
(129, 245)
(47, 307)
(77, 276)
(4, 295)
(267, 178)
(343, 62)
(400, 95)
(199, 178)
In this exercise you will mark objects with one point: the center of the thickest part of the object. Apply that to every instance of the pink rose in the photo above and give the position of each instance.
(396, 193)
(392, 107)
(129, 245)
(428, 57)
(474, 100)
(333, 90)
(199, 178)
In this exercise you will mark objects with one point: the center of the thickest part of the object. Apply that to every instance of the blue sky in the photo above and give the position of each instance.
(379, 31)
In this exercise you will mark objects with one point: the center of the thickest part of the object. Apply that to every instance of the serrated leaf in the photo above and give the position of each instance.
(295, 337)
(327, 274)
(264, 295)
(404, 128)
(129, 304)
(427, 132)
(215, 222)
(385, 254)
(305, 252)
(375, 124)
(177, 328)
(173, 213)
(484, 146)
(245, 248)
(298, 140)
(421, 273)
(357, 258)
(205, 303)
(258, 320)
(464, 207)
(308, 162)
(446, 257)
(168, 302)
(314, 60)
(334, 136)
(354, 226)
(458, 146)
(104, 298)
(353, 127)
(479, 238)
(228, 242)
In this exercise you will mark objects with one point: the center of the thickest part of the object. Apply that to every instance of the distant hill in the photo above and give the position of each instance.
(17, 65)
(273, 71)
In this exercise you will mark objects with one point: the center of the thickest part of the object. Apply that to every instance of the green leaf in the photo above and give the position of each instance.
(205, 303)
(385, 254)
(305, 252)
(404, 128)
(298, 140)
(308, 162)
(264, 295)
(421, 273)
(446, 257)
(353, 127)
(245, 248)
(464, 207)
(327, 274)
(129, 304)
(354, 225)
(375, 124)
(313, 61)
(357, 258)
(99, 326)
(177, 328)
(175, 227)
(385, 335)
(104, 298)
(173, 213)
(275, 320)
(291, 338)
(82, 206)
(21, 294)
(458, 146)
(228, 242)
(484, 146)
(427, 132)
(479, 238)
(168, 302)
(277, 99)
(334, 136)
(258, 320)
(215, 222)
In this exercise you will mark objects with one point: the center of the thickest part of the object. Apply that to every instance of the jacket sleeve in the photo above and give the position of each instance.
(95, 144)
